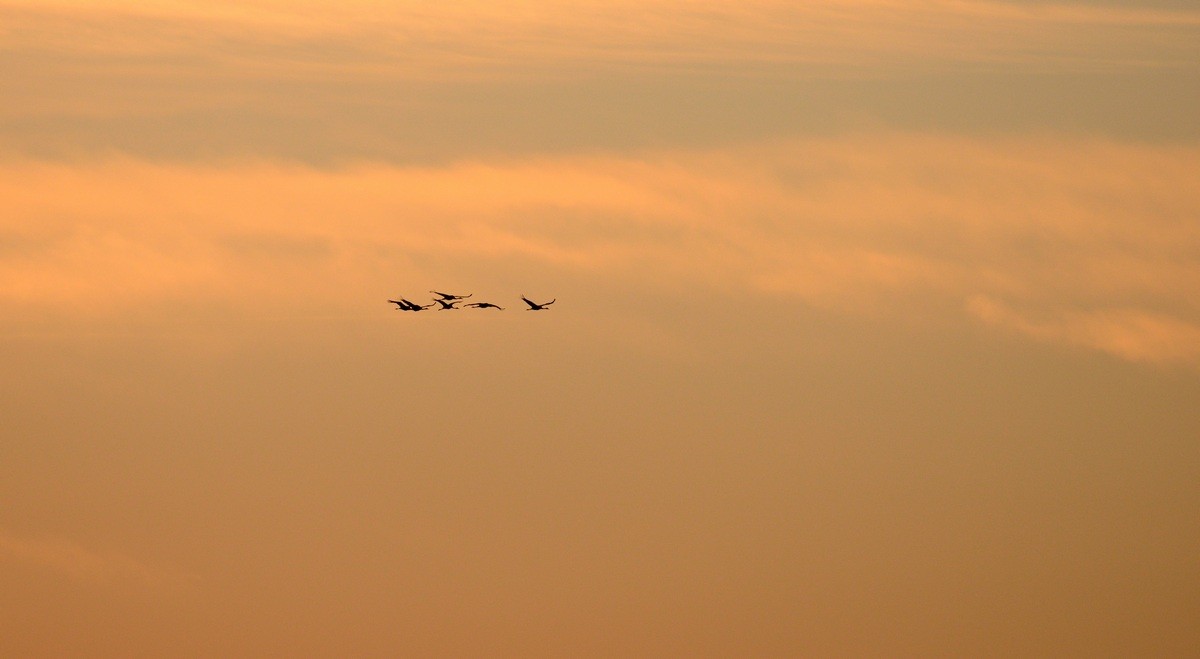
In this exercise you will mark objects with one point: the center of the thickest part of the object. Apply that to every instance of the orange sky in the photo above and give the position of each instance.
(877, 329)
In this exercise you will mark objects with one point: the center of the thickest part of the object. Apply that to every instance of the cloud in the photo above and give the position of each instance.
(1130, 334)
(83, 564)
(473, 39)
(428, 82)
(1075, 241)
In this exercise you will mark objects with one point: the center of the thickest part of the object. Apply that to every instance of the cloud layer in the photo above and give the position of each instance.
(471, 38)
(1074, 241)
(414, 82)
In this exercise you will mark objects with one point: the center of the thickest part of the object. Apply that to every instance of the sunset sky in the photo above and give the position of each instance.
(877, 328)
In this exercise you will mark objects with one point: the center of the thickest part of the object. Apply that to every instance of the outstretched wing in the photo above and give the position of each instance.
(531, 303)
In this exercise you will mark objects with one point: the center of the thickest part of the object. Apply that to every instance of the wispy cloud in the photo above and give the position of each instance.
(471, 38)
(1131, 334)
(428, 82)
(77, 562)
(1076, 241)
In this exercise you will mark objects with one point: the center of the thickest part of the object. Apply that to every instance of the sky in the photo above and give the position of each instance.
(876, 333)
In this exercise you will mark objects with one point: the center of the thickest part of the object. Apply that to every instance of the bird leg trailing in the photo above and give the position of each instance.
(447, 296)
(484, 305)
(534, 306)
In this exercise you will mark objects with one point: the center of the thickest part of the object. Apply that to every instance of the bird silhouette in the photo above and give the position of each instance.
(534, 306)
(446, 304)
(404, 305)
(484, 305)
(413, 306)
(447, 296)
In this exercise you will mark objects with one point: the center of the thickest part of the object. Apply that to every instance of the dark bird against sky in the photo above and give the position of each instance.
(534, 306)
(406, 305)
(448, 301)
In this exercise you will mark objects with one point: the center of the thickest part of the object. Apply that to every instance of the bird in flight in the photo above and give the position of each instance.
(404, 305)
(447, 296)
(446, 304)
(534, 306)
(484, 305)
(413, 306)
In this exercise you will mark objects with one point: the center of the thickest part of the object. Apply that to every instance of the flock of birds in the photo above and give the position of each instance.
(448, 301)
